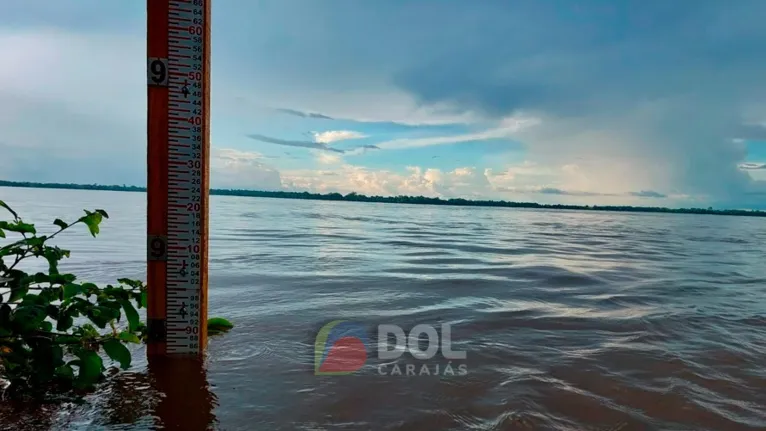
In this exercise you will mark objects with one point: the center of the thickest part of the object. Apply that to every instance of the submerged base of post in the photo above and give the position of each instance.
(188, 402)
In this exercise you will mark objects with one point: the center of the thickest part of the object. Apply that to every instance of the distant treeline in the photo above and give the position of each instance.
(423, 200)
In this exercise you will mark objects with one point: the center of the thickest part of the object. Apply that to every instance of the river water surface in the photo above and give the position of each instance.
(569, 320)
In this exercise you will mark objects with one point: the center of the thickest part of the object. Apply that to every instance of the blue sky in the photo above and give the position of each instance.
(634, 102)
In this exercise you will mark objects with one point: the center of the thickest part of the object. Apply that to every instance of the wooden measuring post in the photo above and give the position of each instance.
(178, 78)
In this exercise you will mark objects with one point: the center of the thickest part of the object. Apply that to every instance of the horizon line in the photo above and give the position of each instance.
(404, 199)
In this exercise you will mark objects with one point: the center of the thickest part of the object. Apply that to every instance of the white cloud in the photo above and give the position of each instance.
(520, 173)
(331, 136)
(601, 154)
(93, 74)
(326, 158)
(72, 100)
(361, 150)
(527, 182)
(759, 176)
(350, 178)
(506, 129)
(752, 166)
(530, 176)
(232, 168)
(229, 155)
(78, 97)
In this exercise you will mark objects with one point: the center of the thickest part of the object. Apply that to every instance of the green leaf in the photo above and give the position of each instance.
(64, 323)
(90, 367)
(41, 277)
(2, 234)
(128, 337)
(143, 298)
(89, 289)
(53, 256)
(52, 311)
(46, 326)
(5, 315)
(95, 316)
(218, 324)
(116, 292)
(18, 226)
(32, 299)
(68, 339)
(115, 305)
(61, 278)
(49, 295)
(65, 372)
(108, 312)
(5, 205)
(136, 284)
(71, 290)
(60, 223)
(89, 330)
(92, 220)
(27, 318)
(131, 314)
(56, 355)
(18, 293)
(19, 284)
(35, 241)
(118, 352)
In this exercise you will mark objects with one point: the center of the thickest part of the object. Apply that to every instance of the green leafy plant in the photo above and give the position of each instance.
(54, 328)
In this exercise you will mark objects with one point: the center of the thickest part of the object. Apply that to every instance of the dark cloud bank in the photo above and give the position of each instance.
(667, 84)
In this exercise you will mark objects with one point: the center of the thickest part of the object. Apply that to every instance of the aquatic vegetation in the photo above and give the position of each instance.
(53, 328)
(217, 325)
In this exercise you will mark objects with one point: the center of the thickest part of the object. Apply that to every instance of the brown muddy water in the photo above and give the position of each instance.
(569, 320)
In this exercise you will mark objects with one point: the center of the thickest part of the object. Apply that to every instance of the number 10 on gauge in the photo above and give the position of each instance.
(178, 48)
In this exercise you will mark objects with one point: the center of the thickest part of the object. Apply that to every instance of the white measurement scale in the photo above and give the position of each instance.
(178, 48)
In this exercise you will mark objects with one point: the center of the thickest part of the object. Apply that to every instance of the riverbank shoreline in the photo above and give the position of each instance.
(413, 200)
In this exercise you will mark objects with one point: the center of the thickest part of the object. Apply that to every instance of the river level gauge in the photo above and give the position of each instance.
(178, 70)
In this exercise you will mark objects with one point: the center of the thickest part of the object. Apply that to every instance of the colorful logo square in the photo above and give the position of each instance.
(340, 348)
